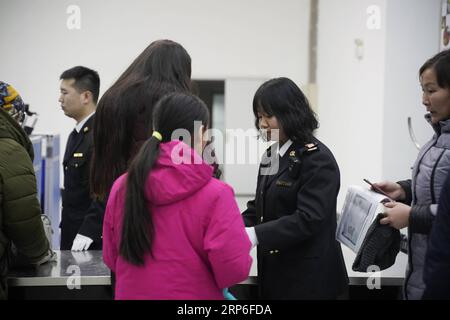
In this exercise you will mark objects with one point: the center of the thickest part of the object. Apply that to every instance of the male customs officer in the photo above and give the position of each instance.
(80, 229)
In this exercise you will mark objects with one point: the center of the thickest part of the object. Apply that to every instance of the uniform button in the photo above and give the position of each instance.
(65, 168)
(271, 251)
(276, 251)
(76, 165)
(262, 219)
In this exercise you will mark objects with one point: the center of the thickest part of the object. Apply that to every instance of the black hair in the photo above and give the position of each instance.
(174, 111)
(85, 80)
(124, 113)
(282, 98)
(440, 63)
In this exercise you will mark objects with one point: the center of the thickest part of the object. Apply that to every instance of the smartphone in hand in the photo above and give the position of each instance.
(375, 188)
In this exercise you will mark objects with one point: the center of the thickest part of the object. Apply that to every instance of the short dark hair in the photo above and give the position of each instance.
(282, 98)
(440, 63)
(85, 80)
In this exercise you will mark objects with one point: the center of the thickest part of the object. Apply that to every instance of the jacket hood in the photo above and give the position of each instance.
(178, 173)
(9, 128)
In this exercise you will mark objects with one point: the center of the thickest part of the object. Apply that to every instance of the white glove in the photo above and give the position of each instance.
(81, 243)
(82, 256)
(252, 236)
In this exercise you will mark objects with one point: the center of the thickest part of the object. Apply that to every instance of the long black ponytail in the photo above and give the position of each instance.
(174, 111)
(137, 230)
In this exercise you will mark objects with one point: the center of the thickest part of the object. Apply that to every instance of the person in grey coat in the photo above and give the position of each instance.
(417, 198)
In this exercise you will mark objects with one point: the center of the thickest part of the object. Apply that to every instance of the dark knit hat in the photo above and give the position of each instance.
(380, 247)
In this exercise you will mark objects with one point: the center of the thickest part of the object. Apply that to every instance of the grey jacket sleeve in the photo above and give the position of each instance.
(421, 219)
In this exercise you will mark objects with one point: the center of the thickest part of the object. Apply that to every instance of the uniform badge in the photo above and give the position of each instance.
(282, 183)
(294, 165)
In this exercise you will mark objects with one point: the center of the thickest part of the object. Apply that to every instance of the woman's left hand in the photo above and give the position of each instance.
(397, 215)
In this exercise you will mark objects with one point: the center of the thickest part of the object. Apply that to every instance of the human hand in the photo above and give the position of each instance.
(51, 256)
(392, 189)
(81, 243)
(397, 215)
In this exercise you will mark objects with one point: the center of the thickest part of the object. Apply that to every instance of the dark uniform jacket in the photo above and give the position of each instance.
(294, 214)
(79, 214)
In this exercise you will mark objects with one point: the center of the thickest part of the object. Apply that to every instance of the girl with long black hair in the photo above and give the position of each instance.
(171, 230)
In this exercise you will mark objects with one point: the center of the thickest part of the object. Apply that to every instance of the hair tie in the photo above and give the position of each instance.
(157, 135)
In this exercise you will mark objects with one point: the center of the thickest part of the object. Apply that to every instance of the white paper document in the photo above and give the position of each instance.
(360, 209)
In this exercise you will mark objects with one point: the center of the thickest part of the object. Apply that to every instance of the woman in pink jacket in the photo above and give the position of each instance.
(171, 230)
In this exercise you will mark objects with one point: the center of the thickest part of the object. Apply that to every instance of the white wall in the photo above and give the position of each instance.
(225, 39)
(412, 37)
(363, 104)
(243, 150)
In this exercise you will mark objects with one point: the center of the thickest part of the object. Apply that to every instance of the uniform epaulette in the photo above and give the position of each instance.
(310, 147)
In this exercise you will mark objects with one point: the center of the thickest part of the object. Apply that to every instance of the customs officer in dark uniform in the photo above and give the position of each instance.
(292, 219)
(81, 228)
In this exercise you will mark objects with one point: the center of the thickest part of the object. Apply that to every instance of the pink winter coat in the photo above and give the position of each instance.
(200, 244)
